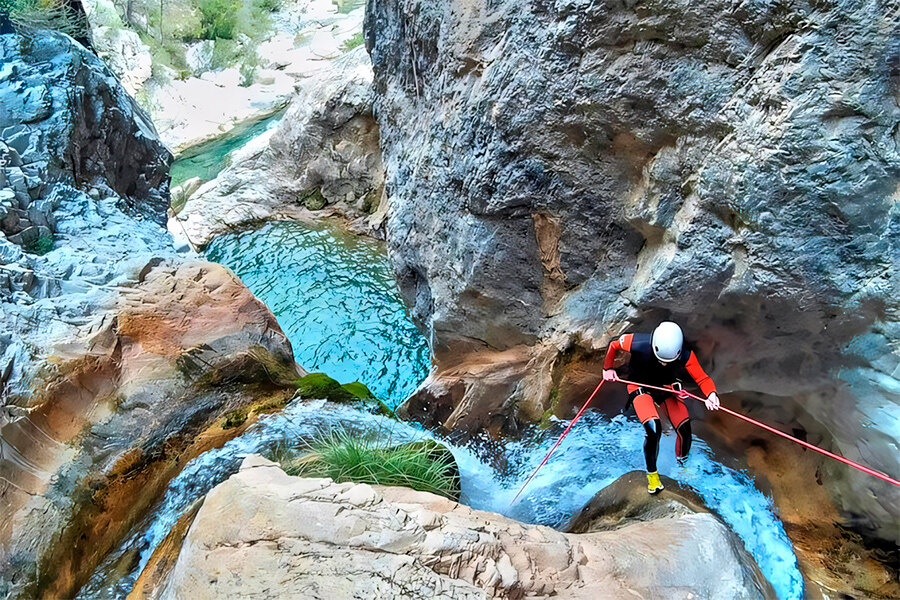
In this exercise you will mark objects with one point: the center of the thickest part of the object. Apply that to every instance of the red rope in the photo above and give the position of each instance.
(846, 461)
(558, 442)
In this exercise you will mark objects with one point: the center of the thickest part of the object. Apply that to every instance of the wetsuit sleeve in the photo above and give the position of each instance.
(696, 371)
(623, 343)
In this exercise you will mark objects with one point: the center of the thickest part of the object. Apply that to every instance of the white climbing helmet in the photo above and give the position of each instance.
(667, 341)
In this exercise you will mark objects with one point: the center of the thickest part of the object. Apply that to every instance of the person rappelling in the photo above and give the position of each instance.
(656, 363)
(660, 359)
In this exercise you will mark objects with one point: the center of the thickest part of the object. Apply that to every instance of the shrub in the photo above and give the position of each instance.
(40, 245)
(219, 18)
(269, 6)
(248, 74)
(425, 466)
(55, 15)
(352, 42)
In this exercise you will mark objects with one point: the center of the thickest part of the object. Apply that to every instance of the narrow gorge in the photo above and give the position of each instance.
(249, 245)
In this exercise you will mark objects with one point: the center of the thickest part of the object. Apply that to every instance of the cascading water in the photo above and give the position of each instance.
(318, 281)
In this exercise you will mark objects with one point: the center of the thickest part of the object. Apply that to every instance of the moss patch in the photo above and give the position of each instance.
(235, 418)
(313, 199)
(321, 386)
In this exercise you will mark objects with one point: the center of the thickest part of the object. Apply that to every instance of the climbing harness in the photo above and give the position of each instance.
(685, 393)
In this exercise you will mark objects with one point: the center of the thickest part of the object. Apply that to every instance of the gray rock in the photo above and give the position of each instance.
(71, 318)
(127, 56)
(7, 198)
(199, 57)
(560, 173)
(16, 179)
(99, 121)
(17, 137)
(324, 151)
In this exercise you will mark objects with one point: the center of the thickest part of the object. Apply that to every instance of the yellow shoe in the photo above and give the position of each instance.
(654, 485)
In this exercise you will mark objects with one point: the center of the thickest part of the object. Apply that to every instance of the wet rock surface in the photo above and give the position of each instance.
(116, 352)
(559, 174)
(324, 154)
(327, 540)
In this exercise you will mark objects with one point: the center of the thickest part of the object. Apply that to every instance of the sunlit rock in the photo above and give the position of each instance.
(262, 532)
(323, 154)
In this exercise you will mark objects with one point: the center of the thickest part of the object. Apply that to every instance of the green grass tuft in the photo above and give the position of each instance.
(41, 245)
(425, 466)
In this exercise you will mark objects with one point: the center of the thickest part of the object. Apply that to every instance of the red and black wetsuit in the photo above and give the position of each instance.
(646, 368)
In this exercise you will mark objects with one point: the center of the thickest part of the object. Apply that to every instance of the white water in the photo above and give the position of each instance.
(337, 301)
(596, 452)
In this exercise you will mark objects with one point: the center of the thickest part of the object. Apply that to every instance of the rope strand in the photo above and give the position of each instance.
(837, 457)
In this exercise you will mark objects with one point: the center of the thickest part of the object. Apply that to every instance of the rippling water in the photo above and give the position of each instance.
(335, 298)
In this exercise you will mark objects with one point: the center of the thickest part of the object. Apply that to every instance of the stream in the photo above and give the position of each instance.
(335, 298)
(207, 160)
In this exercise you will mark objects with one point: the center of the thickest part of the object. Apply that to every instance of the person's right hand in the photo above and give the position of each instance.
(610, 375)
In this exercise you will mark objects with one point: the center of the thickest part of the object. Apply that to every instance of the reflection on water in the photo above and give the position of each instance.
(335, 298)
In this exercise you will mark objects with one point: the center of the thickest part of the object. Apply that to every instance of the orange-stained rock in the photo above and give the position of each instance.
(184, 345)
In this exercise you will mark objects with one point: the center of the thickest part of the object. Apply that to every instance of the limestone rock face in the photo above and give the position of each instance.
(303, 37)
(558, 174)
(324, 154)
(83, 129)
(114, 351)
(127, 56)
(264, 533)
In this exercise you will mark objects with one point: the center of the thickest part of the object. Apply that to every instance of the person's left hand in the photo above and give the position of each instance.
(712, 402)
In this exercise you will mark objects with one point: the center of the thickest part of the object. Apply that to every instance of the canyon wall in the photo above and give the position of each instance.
(116, 352)
(561, 172)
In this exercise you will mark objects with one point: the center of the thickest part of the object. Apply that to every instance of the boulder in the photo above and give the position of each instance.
(323, 154)
(127, 56)
(558, 174)
(264, 533)
(199, 57)
(82, 131)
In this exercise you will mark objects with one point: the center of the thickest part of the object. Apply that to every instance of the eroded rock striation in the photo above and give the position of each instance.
(116, 352)
(262, 532)
(559, 173)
